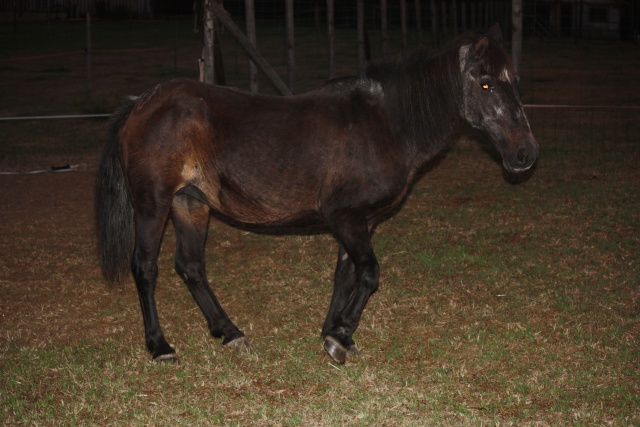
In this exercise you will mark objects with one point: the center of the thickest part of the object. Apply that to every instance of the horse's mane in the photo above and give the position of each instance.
(422, 91)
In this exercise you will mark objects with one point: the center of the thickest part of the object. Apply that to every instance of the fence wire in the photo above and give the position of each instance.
(582, 135)
(585, 135)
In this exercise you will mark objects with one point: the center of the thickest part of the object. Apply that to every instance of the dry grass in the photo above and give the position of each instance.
(496, 307)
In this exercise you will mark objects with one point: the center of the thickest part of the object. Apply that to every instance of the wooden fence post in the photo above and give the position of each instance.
(361, 47)
(454, 16)
(403, 22)
(207, 69)
(88, 47)
(383, 26)
(251, 51)
(331, 36)
(418, 9)
(434, 20)
(516, 34)
(291, 61)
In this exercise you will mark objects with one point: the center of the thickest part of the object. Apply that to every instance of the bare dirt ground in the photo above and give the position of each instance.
(48, 270)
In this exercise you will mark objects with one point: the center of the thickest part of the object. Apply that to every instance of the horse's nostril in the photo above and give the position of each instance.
(521, 156)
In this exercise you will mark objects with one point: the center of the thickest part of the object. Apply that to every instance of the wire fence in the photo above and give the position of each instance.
(577, 136)
(583, 126)
(587, 136)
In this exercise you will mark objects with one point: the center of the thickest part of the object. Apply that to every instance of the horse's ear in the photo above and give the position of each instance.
(495, 33)
(480, 46)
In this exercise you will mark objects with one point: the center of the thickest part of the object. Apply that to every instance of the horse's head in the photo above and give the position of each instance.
(491, 103)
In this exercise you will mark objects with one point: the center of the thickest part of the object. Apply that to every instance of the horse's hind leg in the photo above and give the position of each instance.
(191, 220)
(144, 265)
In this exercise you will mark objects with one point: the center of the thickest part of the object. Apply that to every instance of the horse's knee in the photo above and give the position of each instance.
(370, 278)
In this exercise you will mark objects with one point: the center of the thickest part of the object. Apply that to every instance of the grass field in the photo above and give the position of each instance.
(500, 304)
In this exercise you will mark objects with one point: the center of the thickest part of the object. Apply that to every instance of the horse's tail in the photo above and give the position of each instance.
(113, 209)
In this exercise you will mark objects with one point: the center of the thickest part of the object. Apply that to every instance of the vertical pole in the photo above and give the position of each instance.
(474, 16)
(251, 35)
(361, 51)
(196, 30)
(15, 17)
(88, 47)
(463, 17)
(208, 75)
(516, 34)
(403, 22)
(175, 47)
(444, 24)
(434, 20)
(485, 14)
(223, 17)
(330, 33)
(383, 25)
(418, 9)
(291, 65)
(218, 65)
(581, 18)
(454, 16)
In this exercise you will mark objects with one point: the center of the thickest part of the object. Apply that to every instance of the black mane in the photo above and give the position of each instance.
(422, 92)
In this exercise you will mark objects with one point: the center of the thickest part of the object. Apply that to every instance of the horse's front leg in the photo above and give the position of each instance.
(343, 285)
(357, 278)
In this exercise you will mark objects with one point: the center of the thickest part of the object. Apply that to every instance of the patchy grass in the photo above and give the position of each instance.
(496, 307)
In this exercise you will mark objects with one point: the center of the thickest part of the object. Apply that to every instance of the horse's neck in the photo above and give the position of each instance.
(422, 102)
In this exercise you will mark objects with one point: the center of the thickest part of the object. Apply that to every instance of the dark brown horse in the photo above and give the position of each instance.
(339, 159)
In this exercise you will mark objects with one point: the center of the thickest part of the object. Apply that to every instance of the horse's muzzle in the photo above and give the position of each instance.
(522, 158)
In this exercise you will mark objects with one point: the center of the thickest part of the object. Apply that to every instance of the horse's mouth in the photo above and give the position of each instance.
(517, 169)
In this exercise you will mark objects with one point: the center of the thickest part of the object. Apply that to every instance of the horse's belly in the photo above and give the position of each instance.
(268, 208)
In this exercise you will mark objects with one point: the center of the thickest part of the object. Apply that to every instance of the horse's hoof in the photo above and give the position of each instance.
(167, 357)
(240, 343)
(336, 350)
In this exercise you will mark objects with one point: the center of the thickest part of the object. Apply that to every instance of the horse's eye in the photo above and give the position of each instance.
(487, 86)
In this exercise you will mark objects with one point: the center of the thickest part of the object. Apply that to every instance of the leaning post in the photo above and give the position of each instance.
(250, 16)
(252, 52)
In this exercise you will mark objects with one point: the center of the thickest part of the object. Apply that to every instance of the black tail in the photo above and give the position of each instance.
(113, 209)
